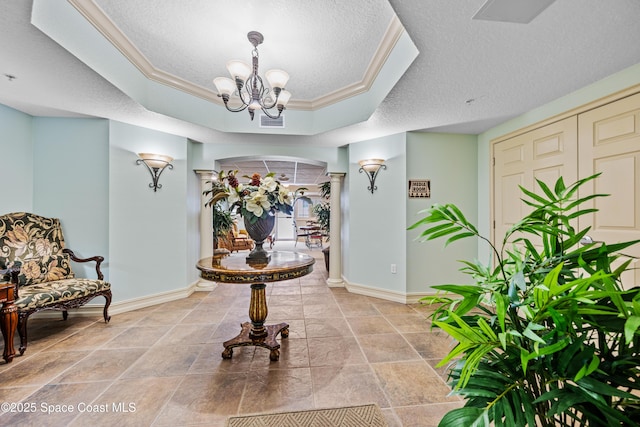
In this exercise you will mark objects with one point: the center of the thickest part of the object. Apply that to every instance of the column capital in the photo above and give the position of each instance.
(205, 173)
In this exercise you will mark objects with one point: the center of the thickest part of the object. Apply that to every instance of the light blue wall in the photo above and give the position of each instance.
(450, 162)
(148, 230)
(84, 171)
(376, 230)
(193, 207)
(71, 182)
(16, 153)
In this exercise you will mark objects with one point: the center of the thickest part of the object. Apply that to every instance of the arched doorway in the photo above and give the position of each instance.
(306, 172)
(293, 172)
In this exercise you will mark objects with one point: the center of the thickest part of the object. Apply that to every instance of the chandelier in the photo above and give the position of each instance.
(247, 85)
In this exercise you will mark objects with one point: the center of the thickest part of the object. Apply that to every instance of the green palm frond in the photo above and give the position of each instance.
(548, 335)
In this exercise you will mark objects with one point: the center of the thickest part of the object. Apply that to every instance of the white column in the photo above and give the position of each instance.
(335, 233)
(206, 226)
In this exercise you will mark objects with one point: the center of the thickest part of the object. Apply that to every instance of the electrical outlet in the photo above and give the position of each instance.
(394, 268)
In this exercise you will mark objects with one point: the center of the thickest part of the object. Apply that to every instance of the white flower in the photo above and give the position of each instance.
(253, 201)
(284, 197)
(268, 184)
(233, 197)
(257, 203)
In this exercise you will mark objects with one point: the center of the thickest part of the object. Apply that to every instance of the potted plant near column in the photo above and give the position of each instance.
(322, 211)
(548, 336)
(222, 226)
(221, 217)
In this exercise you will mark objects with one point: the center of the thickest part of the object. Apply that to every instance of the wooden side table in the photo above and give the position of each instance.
(8, 318)
(233, 268)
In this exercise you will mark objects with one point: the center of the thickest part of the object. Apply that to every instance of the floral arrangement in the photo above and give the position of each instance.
(259, 198)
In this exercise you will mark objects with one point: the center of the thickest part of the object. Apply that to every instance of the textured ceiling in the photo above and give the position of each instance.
(195, 42)
(469, 75)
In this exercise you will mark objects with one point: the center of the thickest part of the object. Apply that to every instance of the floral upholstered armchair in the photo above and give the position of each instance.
(33, 254)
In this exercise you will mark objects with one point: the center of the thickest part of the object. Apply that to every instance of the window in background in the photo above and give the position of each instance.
(303, 208)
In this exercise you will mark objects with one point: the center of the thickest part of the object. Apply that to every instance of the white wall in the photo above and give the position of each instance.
(16, 172)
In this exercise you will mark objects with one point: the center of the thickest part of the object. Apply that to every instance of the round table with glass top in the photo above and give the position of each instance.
(235, 268)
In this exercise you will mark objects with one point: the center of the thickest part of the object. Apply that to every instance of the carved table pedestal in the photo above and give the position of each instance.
(234, 268)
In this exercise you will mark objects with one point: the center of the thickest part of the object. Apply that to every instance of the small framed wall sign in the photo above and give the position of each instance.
(419, 188)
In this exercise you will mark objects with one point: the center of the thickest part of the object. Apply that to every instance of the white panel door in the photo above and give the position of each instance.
(545, 154)
(610, 144)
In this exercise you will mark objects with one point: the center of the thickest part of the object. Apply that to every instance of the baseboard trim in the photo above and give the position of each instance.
(386, 294)
(95, 309)
(415, 297)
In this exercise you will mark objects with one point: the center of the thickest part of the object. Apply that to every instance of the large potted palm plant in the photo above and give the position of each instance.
(549, 335)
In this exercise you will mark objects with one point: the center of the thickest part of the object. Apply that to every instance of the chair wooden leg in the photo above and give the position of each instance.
(22, 331)
(105, 312)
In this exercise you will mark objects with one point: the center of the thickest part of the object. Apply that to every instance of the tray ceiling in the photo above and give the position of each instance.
(165, 56)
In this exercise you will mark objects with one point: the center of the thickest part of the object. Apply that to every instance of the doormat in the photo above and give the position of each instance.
(351, 416)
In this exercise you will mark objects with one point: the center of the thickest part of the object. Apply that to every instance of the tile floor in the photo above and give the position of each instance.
(162, 365)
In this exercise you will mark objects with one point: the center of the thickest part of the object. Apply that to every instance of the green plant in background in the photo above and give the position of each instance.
(221, 216)
(548, 336)
(222, 223)
(322, 210)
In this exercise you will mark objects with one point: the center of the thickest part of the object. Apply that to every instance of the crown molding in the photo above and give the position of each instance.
(96, 16)
(392, 35)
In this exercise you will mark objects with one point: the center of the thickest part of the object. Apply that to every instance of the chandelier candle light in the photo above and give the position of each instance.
(247, 85)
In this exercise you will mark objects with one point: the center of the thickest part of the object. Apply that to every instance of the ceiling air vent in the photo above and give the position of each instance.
(268, 122)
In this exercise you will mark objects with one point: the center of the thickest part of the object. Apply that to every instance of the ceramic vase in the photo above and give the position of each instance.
(259, 231)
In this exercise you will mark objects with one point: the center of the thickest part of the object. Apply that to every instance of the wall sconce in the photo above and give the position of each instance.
(156, 163)
(372, 167)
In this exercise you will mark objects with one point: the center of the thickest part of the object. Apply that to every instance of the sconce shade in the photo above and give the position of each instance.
(156, 164)
(155, 160)
(372, 167)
